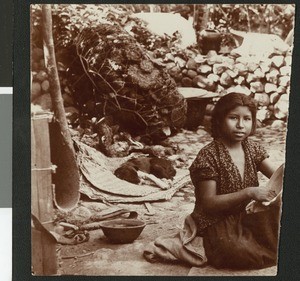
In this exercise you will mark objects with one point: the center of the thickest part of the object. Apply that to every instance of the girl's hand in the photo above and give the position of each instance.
(261, 193)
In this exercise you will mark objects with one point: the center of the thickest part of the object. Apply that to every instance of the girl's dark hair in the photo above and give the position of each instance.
(226, 104)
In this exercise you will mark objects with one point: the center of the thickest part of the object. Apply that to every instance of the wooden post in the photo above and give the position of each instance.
(44, 259)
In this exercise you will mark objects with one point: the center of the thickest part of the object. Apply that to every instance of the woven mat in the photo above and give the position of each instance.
(99, 182)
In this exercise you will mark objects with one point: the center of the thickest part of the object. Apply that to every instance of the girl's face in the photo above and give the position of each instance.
(237, 125)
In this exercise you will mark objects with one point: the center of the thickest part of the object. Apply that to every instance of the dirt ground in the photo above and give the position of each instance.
(99, 257)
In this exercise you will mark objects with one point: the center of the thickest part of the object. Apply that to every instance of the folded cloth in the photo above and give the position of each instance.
(182, 246)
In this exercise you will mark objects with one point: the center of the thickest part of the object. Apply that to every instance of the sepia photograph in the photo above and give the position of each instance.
(158, 138)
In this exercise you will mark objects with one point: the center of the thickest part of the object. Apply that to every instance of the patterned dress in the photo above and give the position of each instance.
(214, 162)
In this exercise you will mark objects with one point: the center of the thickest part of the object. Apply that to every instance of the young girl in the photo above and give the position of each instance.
(224, 174)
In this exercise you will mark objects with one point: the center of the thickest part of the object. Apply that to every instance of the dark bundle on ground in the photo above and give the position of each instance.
(159, 167)
(112, 75)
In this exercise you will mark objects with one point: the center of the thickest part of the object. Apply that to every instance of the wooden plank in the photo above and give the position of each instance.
(196, 93)
(44, 259)
(150, 209)
(36, 252)
(41, 168)
(34, 188)
(49, 255)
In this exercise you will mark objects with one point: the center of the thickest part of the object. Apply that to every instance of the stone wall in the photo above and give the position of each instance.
(266, 79)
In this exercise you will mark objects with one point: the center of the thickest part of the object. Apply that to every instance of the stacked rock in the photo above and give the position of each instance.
(266, 79)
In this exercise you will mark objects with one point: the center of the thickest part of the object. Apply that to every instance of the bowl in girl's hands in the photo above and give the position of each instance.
(122, 230)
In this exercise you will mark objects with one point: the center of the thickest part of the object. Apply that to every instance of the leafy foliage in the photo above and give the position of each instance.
(69, 20)
(263, 18)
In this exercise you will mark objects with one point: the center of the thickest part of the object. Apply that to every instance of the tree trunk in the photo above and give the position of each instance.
(50, 63)
(205, 17)
(66, 178)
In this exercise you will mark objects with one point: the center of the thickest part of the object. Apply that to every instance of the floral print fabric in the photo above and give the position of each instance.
(214, 162)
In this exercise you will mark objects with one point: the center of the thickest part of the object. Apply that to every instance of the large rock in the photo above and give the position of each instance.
(169, 23)
(281, 107)
(259, 45)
